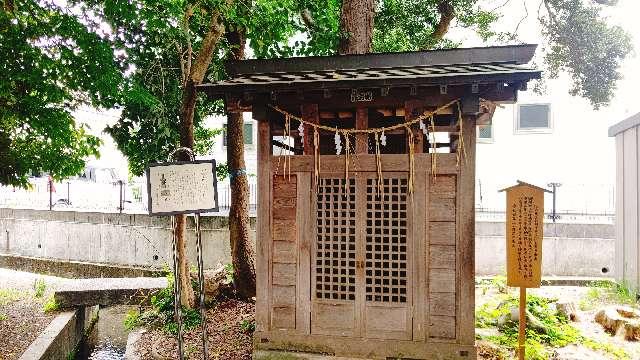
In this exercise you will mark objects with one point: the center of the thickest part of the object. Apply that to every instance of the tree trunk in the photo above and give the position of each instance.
(187, 296)
(193, 75)
(356, 26)
(242, 254)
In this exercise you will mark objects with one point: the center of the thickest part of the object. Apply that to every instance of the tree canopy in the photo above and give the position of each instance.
(133, 55)
(51, 61)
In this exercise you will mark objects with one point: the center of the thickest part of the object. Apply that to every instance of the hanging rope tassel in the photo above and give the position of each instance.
(411, 158)
(316, 154)
(434, 147)
(461, 151)
(346, 163)
(380, 187)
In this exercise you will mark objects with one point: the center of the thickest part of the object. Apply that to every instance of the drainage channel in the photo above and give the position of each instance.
(108, 338)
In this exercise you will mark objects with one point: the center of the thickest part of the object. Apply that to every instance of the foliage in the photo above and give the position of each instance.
(408, 25)
(3, 316)
(554, 330)
(605, 292)
(39, 287)
(9, 295)
(162, 312)
(53, 60)
(247, 326)
(498, 282)
(584, 45)
(132, 319)
(50, 305)
(228, 271)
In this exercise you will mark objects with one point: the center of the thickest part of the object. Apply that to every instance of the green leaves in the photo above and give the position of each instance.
(584, 45)
(50, 62)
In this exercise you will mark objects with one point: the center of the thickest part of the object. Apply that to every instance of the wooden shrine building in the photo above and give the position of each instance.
(366, 174)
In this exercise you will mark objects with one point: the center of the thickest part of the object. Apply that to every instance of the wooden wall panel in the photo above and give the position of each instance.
(284, 257)
(442, 209)
(442, 233)
(283, 295)
(442, 257)
(442, 327)
(283, 318)
(284, 252)
(442, 280)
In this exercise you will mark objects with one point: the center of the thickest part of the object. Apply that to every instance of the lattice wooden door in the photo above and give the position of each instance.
(361, 268)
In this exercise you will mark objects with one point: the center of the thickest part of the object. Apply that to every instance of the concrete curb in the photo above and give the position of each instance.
(62, 336)
(132, 351)
(73, 269)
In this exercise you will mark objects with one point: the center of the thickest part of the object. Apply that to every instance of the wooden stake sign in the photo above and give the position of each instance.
(525, 217)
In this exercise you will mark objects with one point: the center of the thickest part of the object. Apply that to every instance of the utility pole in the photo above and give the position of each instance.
(554, 186)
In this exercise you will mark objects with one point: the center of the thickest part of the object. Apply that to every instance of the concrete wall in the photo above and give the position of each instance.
(119, 239)
(567, 249)
(143, 241)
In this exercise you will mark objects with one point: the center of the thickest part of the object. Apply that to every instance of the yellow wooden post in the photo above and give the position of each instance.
(525, 217)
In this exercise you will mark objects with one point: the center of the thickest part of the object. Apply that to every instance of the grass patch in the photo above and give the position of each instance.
(50, 305)
(3, 317)
(550, 330)
(8, 296)
(605, 292)
(39, 287)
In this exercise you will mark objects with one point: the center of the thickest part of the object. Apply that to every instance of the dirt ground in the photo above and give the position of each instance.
(22, 317)
(227, 339)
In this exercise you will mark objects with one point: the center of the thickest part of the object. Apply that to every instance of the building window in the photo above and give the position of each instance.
(248, 134)
(533, 118)
(485, 133)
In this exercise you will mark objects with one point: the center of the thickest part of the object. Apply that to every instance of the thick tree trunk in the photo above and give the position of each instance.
(241, 251)
(356, 26)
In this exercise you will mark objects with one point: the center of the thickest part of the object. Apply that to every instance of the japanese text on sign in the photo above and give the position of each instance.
(525, 212)
(182, 188)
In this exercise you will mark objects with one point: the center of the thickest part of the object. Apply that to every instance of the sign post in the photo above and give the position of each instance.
(184, 187)
(525, 217)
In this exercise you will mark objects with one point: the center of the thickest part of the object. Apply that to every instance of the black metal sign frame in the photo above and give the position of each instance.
(190, 211)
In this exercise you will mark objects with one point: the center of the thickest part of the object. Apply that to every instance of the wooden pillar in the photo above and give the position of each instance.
(465, 246)
(263, 235)
(362, 122)
(310, 114)
(413, 109)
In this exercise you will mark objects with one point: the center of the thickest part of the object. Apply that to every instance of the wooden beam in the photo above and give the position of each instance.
(413, 109)
(263, 233)
(465, 247)
(310, 114)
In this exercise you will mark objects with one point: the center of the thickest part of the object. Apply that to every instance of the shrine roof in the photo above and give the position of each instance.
(479, 65)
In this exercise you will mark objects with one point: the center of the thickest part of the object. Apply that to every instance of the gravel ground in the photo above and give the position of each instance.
(21, 316)
(586, 324)
(226, 339)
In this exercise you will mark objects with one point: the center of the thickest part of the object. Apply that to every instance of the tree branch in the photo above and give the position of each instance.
(209, 43)
(447, 14)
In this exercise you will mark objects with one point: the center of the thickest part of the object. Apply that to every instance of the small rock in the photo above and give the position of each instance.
(568, 309)
(615, 319)
(632, 331)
